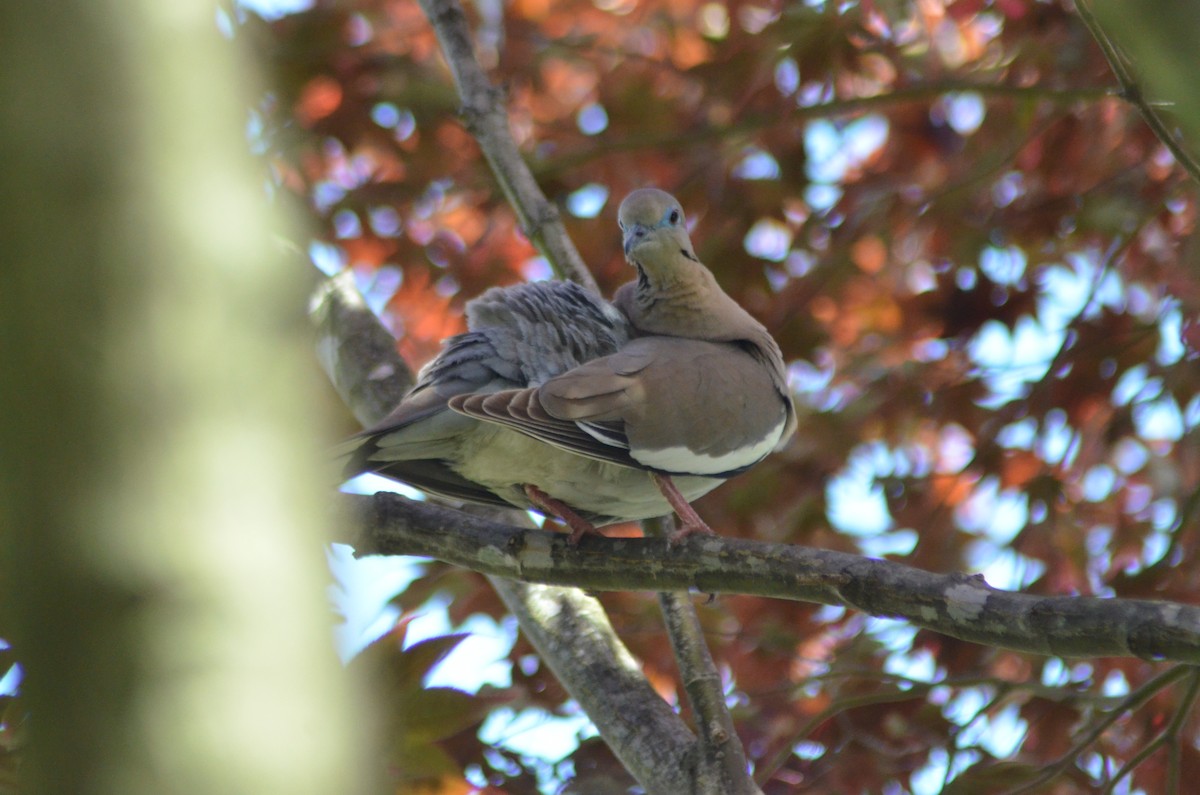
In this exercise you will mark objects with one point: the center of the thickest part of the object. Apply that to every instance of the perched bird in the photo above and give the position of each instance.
(594, 412)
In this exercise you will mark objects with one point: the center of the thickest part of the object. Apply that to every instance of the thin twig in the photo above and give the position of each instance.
(723, 768)
(1174, 733)
(765, 770)
(484, 114)
(1169, 737)
(1186, 524)
(1132, 93)
(756, 122)
(1134, 701)
(1004, 690)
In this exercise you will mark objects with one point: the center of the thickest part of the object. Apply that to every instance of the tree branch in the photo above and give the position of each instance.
(1130, 703)
(356, 351)
(484, 115)
(573, 635)
(958, 605)
(1131, 91)
(723, 769)
(567, 627)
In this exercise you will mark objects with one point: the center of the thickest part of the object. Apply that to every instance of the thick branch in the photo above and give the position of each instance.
(484, 114)
(356, 351)
(573, 635)
(953, 604)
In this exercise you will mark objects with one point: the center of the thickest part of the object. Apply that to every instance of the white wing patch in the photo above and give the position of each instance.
(681, 459)
(602, 435)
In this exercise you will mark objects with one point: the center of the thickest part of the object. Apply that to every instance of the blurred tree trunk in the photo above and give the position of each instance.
(163, 513)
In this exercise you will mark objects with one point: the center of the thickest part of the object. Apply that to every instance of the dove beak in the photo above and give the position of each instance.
(634, 235)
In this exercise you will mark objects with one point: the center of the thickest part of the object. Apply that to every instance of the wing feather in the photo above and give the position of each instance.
(522, 411)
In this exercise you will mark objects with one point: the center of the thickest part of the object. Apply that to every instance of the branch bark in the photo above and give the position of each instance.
(723, 768)
(958, 605)
(573, 635)
(356, 351)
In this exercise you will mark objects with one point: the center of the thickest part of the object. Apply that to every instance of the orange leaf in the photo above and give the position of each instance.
(869, 254)
(320, 98)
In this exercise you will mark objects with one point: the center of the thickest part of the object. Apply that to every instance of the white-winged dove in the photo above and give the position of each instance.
(596, 413)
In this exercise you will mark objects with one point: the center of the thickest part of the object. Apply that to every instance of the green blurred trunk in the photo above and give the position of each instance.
(160, 494)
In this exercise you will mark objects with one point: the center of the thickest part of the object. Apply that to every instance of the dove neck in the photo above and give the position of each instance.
(685, 302)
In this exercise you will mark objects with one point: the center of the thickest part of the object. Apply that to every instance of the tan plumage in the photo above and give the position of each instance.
(557, 400)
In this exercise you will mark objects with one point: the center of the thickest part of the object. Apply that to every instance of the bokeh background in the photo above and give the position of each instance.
(977, 258)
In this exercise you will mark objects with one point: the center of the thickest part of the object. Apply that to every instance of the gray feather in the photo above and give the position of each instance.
(544, 329)
(517, 337)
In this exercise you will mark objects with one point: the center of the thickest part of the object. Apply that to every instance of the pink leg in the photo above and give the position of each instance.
(547, 504)
(692, 523)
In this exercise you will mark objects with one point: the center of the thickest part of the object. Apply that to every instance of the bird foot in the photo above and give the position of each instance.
(687, 529)
(580, 527)
(692, 523)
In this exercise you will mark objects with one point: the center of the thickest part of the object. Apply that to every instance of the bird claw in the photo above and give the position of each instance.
(691, 521)
(577, 533)
(580, 527)
(688, 529)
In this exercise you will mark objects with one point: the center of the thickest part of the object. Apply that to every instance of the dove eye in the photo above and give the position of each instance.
(674, 217)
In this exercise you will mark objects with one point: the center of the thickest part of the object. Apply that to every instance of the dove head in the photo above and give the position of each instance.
(674, 294)
(653, 227)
